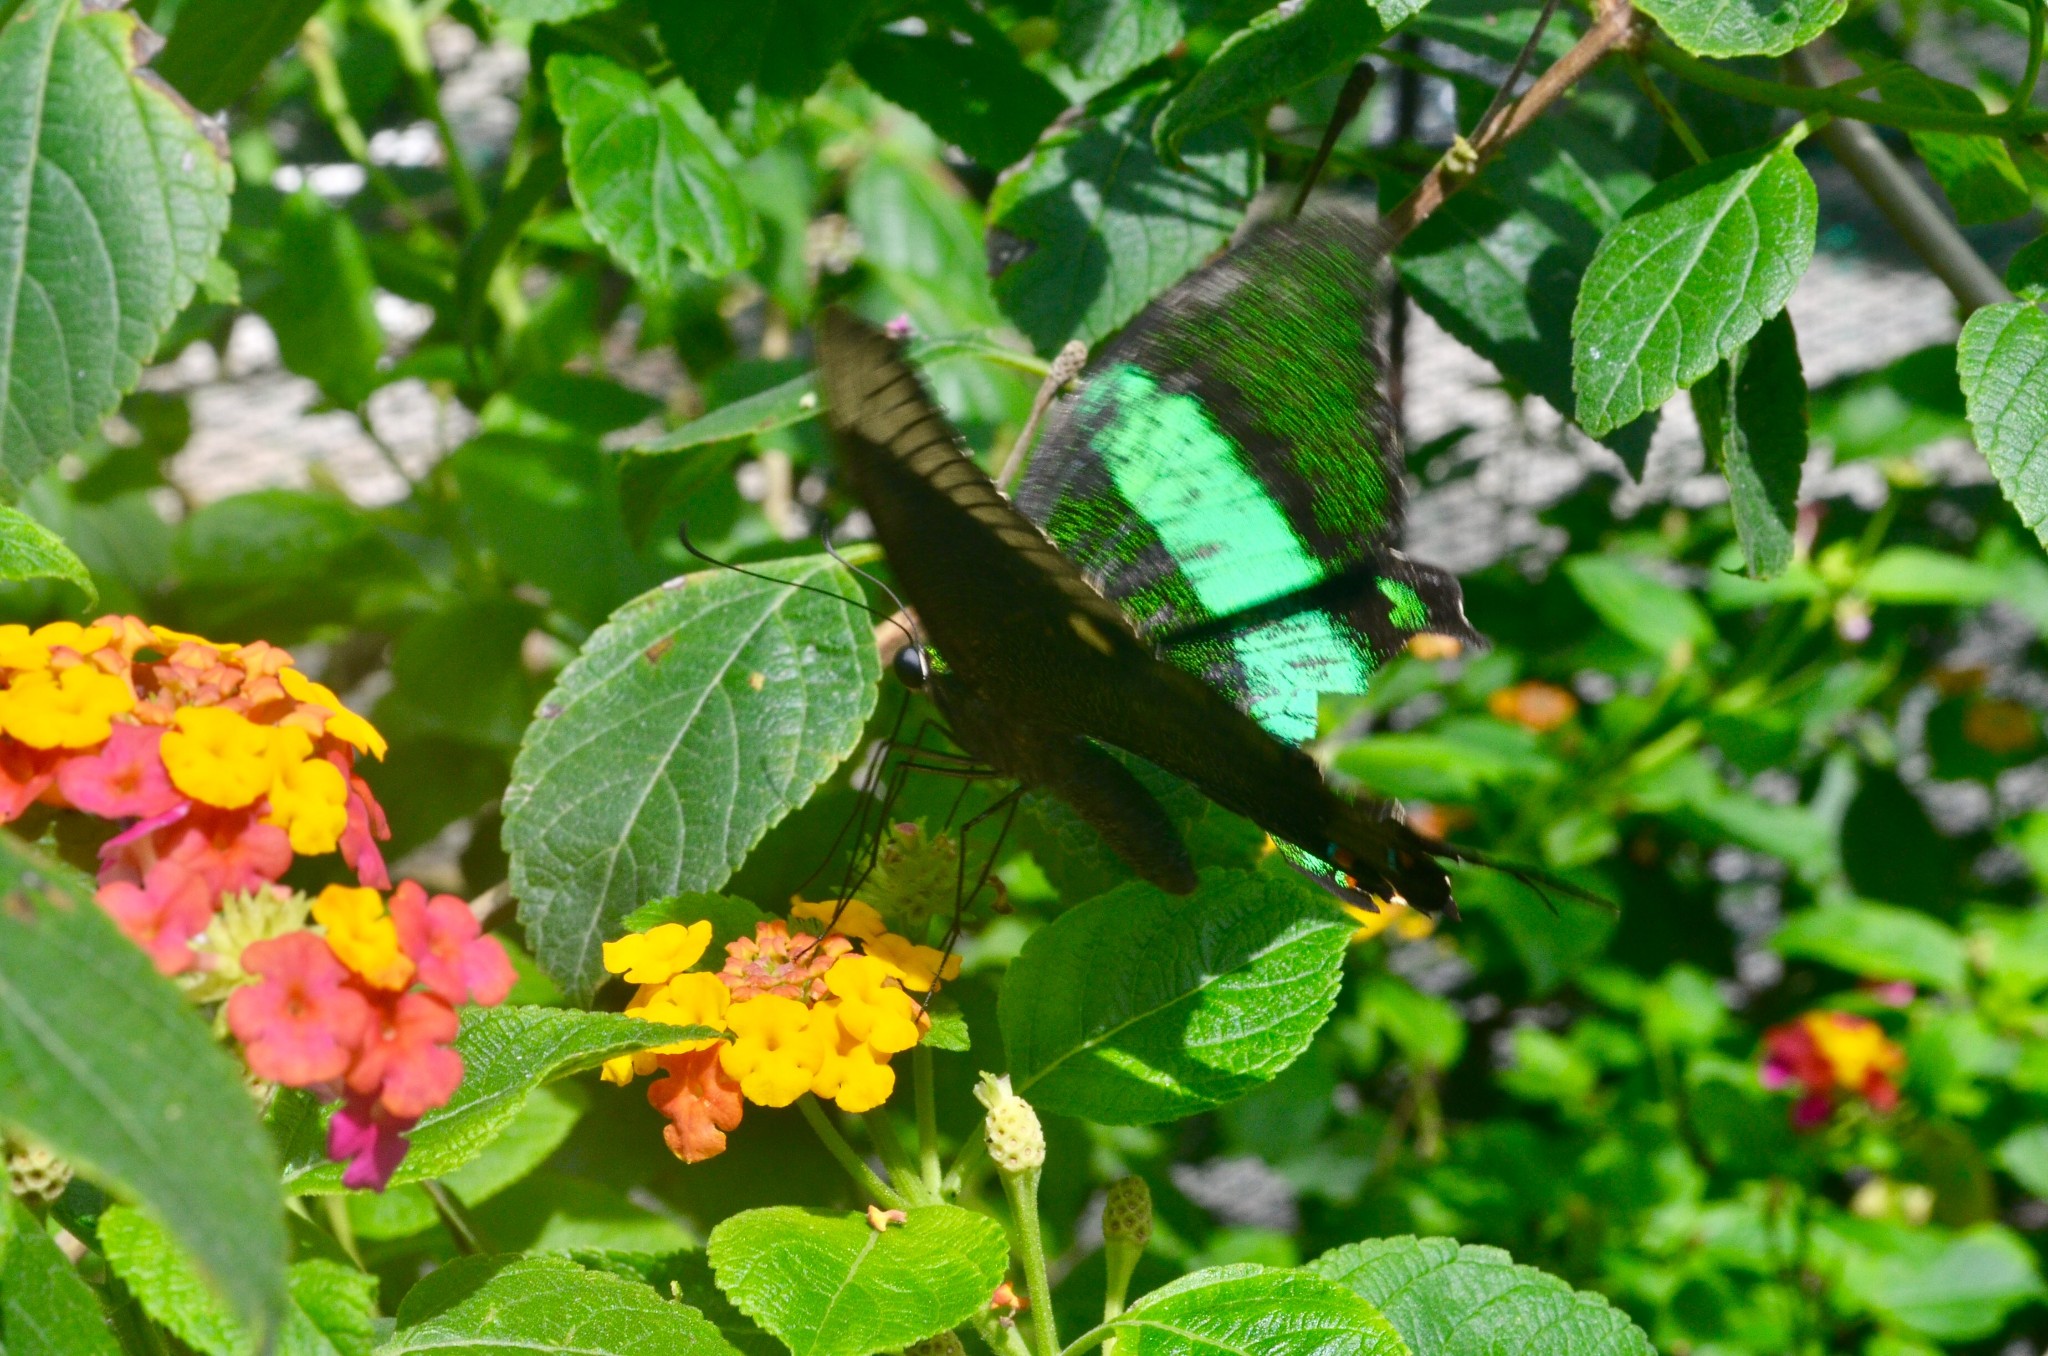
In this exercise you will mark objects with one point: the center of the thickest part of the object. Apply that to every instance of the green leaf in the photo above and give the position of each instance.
(1726, 28)
(278, 563)
(730, 918)
(1655, 615)
(330, 1313)
(1106, 40)
(1950, 1287)
(1920, 575)
(782, 48)
(1214, 994)
(1687, 278)
(1285, 48)
(685, 1275)
(1455, 760)
(2000, 359)
(549, 1113)
(28, 550)
(506, 1054)
(1451, 1300)
(965, 79)
(834, 1285)
(693, 721)
(1757, 433)
(219, 47)
(1248, 1310)
(2027, 274)
(1498, 265)
(324, 306)
(1093, 224)
(116, 203)
(44, 1306)
(1877, 941)
(648, 170)
(547, 11)
(1975, 172)
(502, 1306)
(2024, 1154)
(104, 1061)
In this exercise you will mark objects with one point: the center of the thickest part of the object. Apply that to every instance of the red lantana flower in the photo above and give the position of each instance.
(305, 1020)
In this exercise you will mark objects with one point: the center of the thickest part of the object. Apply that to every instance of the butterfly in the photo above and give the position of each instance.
(1204, 544)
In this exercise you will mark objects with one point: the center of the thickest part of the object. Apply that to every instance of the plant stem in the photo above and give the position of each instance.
(1002, 1340)
(927, 1120)
(972, 1156)
(330, 95)
(1612, 27)
(882, 1134)
(1667, 111)
(1022, 1190)
(836, 1145)
(455, 1217)
(1841, 101)
(2037, 34)
(398, 19)
(1914, 215)
(1094, 1337)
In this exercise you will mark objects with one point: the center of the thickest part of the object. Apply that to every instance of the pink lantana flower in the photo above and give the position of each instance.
(449, 955)
(370, 1140)
(162, 913)
(25, 773)
(406, 1063)
(304, 1021)
(366, 828)
(124, 780)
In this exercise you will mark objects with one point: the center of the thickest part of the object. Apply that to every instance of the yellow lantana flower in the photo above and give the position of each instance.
(853, 1074)
(21, 650)
(776, 1049)
(309, 801)
(1854, 1047)
(173, 639)
(912, 966)
(71, 710)
(871, 1009)
(343, 724)
(658, 954)
(686, 1000)
(219, 757)
(1406, 922)
(72, 636)
(855, 919)
(360, 932)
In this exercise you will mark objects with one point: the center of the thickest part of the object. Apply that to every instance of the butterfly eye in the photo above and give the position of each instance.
(913, 667)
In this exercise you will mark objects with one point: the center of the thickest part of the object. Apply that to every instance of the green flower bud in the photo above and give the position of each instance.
(1127, 1213)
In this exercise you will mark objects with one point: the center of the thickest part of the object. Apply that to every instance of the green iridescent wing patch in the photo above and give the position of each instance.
(1228, 474)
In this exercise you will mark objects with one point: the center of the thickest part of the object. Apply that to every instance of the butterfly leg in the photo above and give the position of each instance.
(1006, 805)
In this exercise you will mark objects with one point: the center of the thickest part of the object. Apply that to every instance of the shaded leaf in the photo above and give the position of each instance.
(965, 79)
(1976, 173)
(116, 200)
(1285, 48)
(506, 1054)
(219, 47)
(1140, 1006)
(2027, 274)
(104, 1061)
(833, 1285)
(323, 309)
(1451, 1300)
(1248, 1310)
(2000, 359)
(44, 1306)
(1093, 224)
(782, 48)
(28, 550)
(1686, 278)
(686, 1275)
(1757, 432)
(694, 719)
(648, 169)
(1725, 28)
(1877, 941)
(488, 1306)
(1108, 39)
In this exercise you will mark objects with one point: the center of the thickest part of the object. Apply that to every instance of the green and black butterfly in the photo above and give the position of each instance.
(1202, 546)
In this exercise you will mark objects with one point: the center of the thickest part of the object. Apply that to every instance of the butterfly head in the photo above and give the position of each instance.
(913, 667)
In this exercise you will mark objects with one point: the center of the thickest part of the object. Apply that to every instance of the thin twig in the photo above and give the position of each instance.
(1913, 214)
(1844, 100)
(1357, 86)
(455, 1217)
(1522, 60)
(1614, 27)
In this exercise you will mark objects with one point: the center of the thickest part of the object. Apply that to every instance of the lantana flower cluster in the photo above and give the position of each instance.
(1829, 1058)
(819, 1010)
(217, 765)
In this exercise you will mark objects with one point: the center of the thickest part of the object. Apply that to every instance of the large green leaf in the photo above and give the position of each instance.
(535, 1131)
(1687, 278)
(685, 1274)
(503, 1306)
(1448, 1300)
(965, 79)
(219, 47)
(506, 1054)
(1248, 1310)
(834, 1285)
(28, 550)
(1976, 173)
(1287, 47)
(782, 48)
(44, 1306)
(1108, 39)
(1498, 265)
(103, 1060)
(1877, 941)
(1094, 225)
(330, 1313)
(115, 200)
(324, 307)
(1726, 28)
(1140, 1006)
(648, 168)
(2000, 359)
(1756, 431)
(696, 718)
(1655, 615)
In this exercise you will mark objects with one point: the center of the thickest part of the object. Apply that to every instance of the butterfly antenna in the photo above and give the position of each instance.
(1349, 100)
(1533, 877)
(683, 536)
(909, 627)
